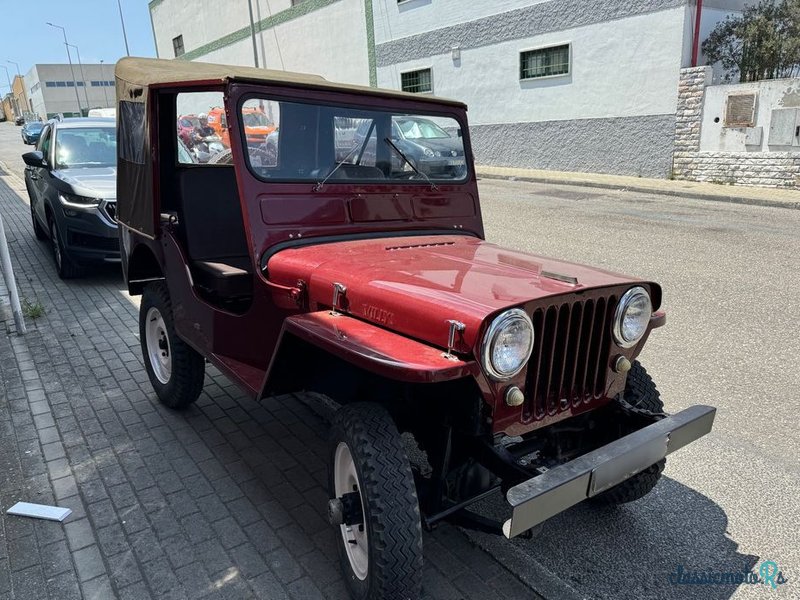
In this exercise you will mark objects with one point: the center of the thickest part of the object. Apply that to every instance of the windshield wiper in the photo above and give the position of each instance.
(394, 147)
(319, 185)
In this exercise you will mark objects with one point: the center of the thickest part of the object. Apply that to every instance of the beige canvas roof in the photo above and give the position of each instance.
(145, 72)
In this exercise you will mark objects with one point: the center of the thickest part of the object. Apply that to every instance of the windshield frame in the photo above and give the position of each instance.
(348, 102)
(59, 131)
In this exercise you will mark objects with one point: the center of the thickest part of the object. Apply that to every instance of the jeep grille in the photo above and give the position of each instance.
(569, 364)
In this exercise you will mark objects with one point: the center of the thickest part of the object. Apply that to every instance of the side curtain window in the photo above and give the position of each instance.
(131, 131)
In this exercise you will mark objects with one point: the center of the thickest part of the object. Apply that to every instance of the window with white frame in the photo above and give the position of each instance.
(544, 62)
(417, 82)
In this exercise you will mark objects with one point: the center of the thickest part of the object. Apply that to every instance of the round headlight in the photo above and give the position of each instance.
(632, 316)
(508, 344)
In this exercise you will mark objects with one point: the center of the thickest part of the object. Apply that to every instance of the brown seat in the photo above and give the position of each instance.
(229, 277)
(213, 230)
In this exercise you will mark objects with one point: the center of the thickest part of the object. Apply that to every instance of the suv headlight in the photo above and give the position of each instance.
(632, 316)
(508, 344)
(79, 202)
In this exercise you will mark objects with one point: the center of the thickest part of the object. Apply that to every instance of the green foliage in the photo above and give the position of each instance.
(32, 310)
(761, 43)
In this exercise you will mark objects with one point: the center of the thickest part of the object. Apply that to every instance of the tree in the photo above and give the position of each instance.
(763, 42)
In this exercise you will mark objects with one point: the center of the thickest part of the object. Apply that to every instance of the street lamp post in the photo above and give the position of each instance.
(124, 35)
(253, 32)
(102, 75)
(71, 70)
(16, 64)
(83, 78)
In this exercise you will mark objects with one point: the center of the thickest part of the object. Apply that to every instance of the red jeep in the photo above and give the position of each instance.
(361, 277)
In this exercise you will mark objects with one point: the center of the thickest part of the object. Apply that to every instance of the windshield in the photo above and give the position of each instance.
(86, 147)
(34, 126)
(255, 119)
(421, 129)
(320, 142)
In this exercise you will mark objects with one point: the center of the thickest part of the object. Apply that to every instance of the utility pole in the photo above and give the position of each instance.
(253, 32)
(71, 70)
(102, 74)
(16, 101)
(83, 79)
(11, 91)
(124, 34)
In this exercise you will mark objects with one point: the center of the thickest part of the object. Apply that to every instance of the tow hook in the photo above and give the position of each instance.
(346, 510)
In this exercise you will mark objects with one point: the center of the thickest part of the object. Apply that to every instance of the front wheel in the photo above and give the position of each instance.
(640, 393)
(175, 369)
(38, 230)
(374, 505)
(65, 266)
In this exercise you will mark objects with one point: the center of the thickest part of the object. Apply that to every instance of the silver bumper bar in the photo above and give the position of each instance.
(536, 500)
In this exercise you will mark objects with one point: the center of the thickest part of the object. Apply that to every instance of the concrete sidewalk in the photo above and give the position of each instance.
(774, 197)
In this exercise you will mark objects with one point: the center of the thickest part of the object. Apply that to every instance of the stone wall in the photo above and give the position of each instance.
(767, 169)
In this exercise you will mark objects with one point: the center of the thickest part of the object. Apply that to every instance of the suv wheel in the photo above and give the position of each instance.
(175, 369)
(38, 230)
(65, 268)
(640, 392)
(374, 505)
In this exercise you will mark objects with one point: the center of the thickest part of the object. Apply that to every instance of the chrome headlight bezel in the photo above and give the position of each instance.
(619, 315)
(500, 323)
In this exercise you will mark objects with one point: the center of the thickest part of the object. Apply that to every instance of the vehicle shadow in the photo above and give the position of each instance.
(630, 551)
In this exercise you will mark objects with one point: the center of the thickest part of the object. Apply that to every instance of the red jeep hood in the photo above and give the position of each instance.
(414, 284)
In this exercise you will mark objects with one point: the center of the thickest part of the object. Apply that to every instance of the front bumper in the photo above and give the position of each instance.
(90, 236)
(536, 500)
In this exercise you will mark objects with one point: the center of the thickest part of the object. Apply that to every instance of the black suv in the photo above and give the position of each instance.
(72, 183)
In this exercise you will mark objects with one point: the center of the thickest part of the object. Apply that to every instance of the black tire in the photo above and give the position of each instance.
(389, 500)
(184, 383)
(65, 266)
(640, 392)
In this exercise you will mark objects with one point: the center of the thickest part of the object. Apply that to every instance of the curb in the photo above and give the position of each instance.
(645, 190)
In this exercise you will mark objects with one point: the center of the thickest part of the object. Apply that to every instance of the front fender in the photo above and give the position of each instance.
(370, 348)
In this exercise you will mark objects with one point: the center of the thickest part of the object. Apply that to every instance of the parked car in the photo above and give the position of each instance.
(110, 113)
(19, 120)
(30, 132)
(372, 284)
(71, 179)
(428, 147)
(186, 126)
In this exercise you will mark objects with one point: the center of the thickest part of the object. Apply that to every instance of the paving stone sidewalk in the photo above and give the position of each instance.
(224, 500)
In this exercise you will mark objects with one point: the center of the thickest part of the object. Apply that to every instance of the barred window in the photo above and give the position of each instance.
(177, 45)
(544, 62)
(417, 82)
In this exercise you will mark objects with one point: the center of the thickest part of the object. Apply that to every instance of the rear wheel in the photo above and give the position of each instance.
(65, 267)
(374, 505)
(175, 369)
(640, 393)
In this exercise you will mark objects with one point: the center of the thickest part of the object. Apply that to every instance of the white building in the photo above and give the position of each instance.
(51, 89)
(576, 85)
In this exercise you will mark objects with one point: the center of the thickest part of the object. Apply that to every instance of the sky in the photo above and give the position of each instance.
(92, 25)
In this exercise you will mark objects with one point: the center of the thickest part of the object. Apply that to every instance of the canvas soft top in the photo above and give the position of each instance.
(135, 77)
(157, 72)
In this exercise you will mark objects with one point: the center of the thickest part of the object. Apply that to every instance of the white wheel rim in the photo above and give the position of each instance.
(158, 348)
(345, 480)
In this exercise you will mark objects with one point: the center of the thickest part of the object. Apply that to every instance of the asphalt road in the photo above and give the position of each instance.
(731, 289)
